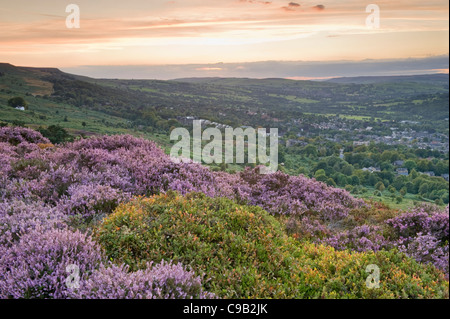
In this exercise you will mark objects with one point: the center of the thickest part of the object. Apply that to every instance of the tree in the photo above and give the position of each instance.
(331, 182)
(380, 186)
(17, 102)
(423, 189)
(56, 134)
(355, 180)
(310, 150)
(403, 191)
(392, 189)
(372, 180)
(410, 165)
(423, 165)
(414, 174)
(83, 124)
(319, 172)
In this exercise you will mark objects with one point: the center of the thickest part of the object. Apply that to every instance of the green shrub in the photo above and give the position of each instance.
(243, 252)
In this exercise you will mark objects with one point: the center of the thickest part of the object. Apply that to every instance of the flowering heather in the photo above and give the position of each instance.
(138, 167)
(424, 219)
(91, 200)
(35, 267)
(296, 195)
(17, 135)
(423, 235)
(361, 238)
(160, 281)
(18, 218)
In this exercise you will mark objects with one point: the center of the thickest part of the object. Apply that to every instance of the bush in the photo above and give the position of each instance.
(56, 134)
(35, 268)
(423, 234)
(18, 218)
(161, 281)
(237, 248)
(17, 102)
(17, 135)
(91, 201)
(243, 252)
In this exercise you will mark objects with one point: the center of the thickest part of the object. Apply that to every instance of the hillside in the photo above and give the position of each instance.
(138, 225)
(157, 105)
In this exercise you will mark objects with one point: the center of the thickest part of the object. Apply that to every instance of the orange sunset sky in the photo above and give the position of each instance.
(156, 32)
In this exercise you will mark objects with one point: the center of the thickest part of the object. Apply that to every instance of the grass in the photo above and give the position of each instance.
(409, 200)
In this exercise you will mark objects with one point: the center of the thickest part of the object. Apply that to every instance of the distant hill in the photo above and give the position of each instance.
(427, 78)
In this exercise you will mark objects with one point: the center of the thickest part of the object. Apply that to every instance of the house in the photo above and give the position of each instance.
(371, 169)
(445, 176)
(357, 143)
(429, 173)
(20, 108)
(402, 171)
(398, 163)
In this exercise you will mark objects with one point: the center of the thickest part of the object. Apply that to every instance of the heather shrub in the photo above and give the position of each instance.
(426, 219)
(28, 168)
(90, 201)
(35, 267)
(132, 165)
(18, 218)
(423, 234)
(17, 135)
(8, 155)
(160, 281)
(361, 238)
(279, 193)
(243, 252)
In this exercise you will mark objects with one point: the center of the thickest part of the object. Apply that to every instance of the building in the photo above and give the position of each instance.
(402, 171)
(371, 169)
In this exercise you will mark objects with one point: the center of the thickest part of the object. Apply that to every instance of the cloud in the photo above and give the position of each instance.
(209, 69)
(292, 6)
(319, 7)
(192, 31)
(256, 2)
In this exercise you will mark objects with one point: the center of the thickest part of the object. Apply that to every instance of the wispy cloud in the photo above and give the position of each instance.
(291, 6)
(229, 30)
(319, 7)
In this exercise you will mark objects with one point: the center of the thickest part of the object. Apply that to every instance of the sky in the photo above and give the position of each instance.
(142, 38)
